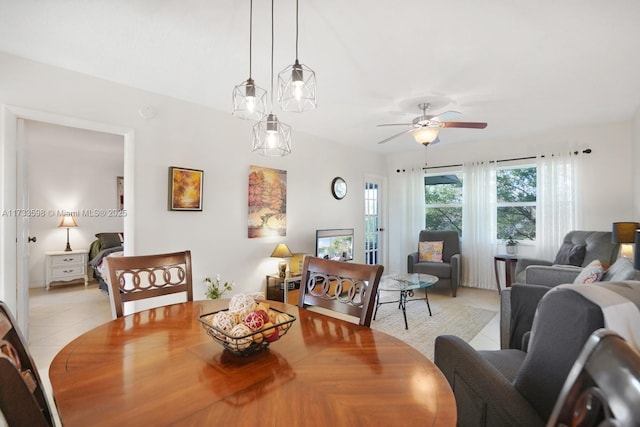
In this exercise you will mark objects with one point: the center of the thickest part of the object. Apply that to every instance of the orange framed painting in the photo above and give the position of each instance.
(185, 189)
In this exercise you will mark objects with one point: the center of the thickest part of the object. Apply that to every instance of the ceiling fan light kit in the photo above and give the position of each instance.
(425, 135)
(426, 128)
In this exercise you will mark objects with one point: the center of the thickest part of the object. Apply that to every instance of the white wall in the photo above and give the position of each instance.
(607, 180)
(635, 157)
(189, 135)
(70, 169)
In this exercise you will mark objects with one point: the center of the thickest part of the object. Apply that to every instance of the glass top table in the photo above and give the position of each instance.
(406, 284)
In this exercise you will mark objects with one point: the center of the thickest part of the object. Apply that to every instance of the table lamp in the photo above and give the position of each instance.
(282, 251)
(624, 233)
(68, 221)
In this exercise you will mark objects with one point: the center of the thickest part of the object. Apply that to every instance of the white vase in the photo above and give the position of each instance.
(512, 249)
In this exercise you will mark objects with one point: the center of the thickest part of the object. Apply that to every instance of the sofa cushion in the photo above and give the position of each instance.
(430, 251)
(620, 270)
(591, 273)
(571, 254)
(440, 269)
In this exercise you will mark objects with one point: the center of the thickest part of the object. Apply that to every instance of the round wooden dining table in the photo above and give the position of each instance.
(159, 367)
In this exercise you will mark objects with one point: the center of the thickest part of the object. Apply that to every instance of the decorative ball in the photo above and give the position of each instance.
(281, 318)
(254, 320)
(241, 305)
(257, 337)
(263, 305)
(224, 321)
(240, 341)
(263, 314)
(270, 332)
(272, 315)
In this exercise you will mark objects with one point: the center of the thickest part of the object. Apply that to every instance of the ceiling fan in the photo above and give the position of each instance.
(425, 128)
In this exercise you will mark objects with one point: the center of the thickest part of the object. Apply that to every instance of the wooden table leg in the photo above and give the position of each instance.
(495, 268)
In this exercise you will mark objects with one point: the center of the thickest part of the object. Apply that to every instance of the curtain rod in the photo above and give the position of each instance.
(586, 151)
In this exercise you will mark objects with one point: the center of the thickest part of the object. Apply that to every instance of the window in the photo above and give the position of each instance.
(443, 199)
(516, 197)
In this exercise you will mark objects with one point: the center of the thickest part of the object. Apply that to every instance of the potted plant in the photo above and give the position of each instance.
(511, 245)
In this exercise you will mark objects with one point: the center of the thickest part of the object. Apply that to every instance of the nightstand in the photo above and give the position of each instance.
(278, 287)
(66, 265)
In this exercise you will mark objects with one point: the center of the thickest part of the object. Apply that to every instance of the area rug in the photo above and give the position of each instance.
(448, 317)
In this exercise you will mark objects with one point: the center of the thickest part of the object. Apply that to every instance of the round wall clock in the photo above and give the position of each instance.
(338, 188)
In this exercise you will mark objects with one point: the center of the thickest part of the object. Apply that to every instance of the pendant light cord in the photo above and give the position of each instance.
(250, 34)
(296, 30)
(272, 55)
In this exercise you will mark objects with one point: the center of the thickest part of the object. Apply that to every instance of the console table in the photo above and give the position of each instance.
(278, 287)
(66, 265)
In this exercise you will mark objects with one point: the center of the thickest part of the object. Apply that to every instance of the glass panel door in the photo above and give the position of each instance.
(372, 223)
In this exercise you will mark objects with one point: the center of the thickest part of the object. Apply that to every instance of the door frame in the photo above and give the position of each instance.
(13, 197)
(382, 215)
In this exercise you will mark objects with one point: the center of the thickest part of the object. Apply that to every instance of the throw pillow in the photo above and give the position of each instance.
(108, 240)
(591, 273)
(430, 251)
(570, 254)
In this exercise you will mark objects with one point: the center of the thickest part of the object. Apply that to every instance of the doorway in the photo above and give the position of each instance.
(14, 284)
(374, 221)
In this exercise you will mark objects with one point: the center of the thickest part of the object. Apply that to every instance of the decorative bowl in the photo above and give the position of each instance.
(240, 343)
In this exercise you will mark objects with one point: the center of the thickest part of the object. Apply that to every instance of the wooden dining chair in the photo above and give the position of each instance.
(344, 287)
(22, 398)
(133, 278)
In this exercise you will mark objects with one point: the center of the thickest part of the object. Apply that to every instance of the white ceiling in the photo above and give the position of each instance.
(522, 66)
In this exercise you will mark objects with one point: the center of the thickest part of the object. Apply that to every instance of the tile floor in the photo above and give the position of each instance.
(66, 311)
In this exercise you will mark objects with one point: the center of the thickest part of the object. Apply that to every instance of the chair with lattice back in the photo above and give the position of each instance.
(22, 399)
(344, 287)
(133, 278)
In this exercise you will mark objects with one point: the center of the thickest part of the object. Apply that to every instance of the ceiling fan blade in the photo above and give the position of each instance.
(395, 124)
(471, 125)
(446, 115)
(394, 136)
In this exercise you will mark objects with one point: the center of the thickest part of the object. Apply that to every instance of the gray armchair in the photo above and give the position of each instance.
(514, 387)
(580, 247)
(519, 302)
(447, 271)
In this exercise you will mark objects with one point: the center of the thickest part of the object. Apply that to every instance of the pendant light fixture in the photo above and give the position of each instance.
(249, 100)
(271, 137)
(297, 84)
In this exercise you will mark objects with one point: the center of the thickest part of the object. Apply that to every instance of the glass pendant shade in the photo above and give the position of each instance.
(425, 135)
(271, 137)
(249, 101)
(297, 88)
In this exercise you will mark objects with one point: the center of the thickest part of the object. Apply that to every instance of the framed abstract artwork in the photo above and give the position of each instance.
(185, 189)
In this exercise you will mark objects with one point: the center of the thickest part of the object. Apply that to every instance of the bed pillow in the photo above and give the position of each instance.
(430, 251)
(109, 240)
(591, 273)
(570, 254)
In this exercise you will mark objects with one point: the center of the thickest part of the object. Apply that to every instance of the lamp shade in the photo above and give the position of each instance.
(68, 221)
(636, 257)
(425, 134)
(281, 251)
(624, 232)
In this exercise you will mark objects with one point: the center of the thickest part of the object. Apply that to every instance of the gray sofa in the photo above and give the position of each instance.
(447, 271)
(518, 303)
(587, 246)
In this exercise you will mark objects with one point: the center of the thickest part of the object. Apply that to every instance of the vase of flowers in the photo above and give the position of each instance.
(216, 288)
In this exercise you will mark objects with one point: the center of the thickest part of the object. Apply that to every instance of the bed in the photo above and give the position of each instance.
(106, 244)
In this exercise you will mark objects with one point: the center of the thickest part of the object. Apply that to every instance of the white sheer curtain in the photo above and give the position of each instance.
(557, 199)
(412, 189)
(479, 224)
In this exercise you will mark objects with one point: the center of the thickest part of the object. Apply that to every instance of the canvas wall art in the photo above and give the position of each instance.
(267, 202)
(185, 189)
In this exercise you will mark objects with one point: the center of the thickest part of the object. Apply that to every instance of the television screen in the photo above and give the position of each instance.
(335, 244)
